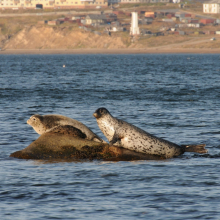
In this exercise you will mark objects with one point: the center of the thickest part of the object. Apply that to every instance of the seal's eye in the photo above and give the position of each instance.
(102, 111)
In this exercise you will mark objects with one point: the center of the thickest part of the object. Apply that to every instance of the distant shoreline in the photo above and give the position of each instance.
(111, 51)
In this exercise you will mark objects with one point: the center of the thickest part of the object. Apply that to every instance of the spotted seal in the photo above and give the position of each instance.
(123, 134)
(45, 123)
(67, 130)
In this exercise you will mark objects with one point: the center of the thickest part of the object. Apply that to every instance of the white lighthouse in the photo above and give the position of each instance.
(134, 30)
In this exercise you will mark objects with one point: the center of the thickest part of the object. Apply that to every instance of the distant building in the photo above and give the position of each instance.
(207, 21)
(146, 20)
(115, 28)
(188, 25)
(213, 7)
(149, 14)
(143, 1)
(134, 30)
(60, 4)
(111, 17)
(96, 18)
(114, 1)
(67, 4)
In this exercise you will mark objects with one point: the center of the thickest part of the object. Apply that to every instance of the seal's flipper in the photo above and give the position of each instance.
(97, 139)
(115, 138)
(195, 148)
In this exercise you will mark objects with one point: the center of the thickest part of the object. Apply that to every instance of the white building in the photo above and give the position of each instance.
(213, 7)
(137, 1)
(134, 30)
(51, 4)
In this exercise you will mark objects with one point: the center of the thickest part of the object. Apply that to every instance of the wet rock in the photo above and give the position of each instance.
(73, 146)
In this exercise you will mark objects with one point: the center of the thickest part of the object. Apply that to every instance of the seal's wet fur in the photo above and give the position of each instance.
(123, 134)
(45, 123)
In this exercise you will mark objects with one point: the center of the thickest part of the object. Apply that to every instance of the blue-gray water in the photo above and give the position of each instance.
(176, 97)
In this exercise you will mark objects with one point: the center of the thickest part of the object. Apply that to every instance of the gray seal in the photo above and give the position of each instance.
(46, 123)
(122, 134)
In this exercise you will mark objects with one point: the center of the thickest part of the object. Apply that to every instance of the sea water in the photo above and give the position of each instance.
(173, 96)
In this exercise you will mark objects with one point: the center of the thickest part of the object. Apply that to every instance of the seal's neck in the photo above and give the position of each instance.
(107, 126)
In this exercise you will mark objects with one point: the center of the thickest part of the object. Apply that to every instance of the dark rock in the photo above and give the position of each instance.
(70, 145)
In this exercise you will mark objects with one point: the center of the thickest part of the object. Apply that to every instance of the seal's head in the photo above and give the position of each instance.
(105, 122)
(36, 121)
(100, 112)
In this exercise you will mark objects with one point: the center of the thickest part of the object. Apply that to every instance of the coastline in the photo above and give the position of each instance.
(156, 50)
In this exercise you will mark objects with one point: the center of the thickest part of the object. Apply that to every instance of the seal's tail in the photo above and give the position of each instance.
(195, 148)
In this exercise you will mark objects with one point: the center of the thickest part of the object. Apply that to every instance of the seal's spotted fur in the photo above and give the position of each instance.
(45, 123)
(123, 134)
